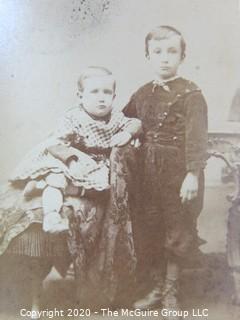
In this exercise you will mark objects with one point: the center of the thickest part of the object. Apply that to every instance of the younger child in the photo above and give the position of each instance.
(75, 157)
(57, 174)
(173, 112)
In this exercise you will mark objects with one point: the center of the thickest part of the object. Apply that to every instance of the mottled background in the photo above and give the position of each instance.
(44, 45)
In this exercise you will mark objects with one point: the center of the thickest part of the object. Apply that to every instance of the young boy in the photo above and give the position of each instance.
(75, 159)
(66, 172)
(174, 119)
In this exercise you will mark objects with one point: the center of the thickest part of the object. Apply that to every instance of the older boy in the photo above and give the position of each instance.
(173, 153)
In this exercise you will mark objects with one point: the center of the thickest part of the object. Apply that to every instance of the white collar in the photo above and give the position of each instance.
(163, 83)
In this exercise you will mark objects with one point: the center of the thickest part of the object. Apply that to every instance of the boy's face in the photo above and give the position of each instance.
(98, 95)
(165, 56)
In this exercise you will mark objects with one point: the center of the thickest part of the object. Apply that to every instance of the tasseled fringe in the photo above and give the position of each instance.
(36, 243)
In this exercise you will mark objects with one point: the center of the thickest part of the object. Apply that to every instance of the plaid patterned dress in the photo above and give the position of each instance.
(100, 240)
(91, 140)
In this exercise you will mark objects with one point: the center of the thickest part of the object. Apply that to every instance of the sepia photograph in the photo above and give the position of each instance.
(120, 159)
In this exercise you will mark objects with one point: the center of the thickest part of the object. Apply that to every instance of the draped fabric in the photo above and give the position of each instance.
(104, 265)
(100, 239)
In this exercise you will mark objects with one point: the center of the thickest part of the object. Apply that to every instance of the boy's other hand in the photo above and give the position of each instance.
(120, 139)
(189, 189)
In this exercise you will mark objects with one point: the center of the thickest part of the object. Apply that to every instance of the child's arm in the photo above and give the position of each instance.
(195, 143)
(134, 127)
(131, 128)
(63, 152)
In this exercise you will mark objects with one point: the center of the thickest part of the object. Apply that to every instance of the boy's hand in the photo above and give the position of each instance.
(189, 189)
(120, 139)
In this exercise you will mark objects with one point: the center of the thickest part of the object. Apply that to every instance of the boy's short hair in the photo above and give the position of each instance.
(164, 32)
(94, 71)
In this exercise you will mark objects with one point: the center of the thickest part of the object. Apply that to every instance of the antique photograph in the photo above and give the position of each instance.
(120, 159)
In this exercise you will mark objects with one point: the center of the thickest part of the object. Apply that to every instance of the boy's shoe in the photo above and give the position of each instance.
(54, 223)
(170, 298)
(152, 299)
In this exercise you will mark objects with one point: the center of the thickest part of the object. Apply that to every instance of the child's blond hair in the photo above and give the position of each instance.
(94, 71)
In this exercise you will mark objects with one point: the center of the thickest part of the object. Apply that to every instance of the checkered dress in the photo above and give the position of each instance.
(77, 129)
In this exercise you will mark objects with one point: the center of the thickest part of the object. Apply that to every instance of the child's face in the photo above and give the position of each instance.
(98, 95)
(165, 56)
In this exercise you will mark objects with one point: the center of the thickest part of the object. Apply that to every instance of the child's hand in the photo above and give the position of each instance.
(189, 189)
(120, 139)
(135, 143)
